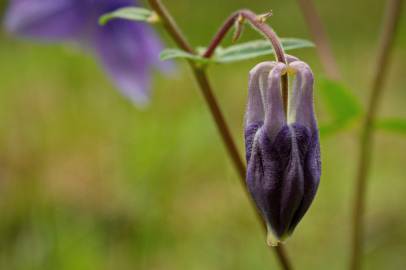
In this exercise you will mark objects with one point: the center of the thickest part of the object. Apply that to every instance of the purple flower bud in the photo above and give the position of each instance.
(283, 153)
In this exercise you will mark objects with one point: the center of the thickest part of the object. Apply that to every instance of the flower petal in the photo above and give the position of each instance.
(292, 147)
(46, 19)
(154, 47)
(312, 173)
(302, 114)
(127, 57)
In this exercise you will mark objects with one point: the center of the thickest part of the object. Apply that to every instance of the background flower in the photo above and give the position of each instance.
(127, 50)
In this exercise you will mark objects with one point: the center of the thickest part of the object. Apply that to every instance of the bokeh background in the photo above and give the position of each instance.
(88, 181)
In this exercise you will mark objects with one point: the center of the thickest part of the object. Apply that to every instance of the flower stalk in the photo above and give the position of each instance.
(390, 26)
(207, 91)
(258, 23)
(319, 36)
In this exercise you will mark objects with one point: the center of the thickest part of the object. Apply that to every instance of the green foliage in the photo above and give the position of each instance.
(342, 106)
(257, 48)
(395, 125)
(128, 13)
(168, 54)
(239, 52)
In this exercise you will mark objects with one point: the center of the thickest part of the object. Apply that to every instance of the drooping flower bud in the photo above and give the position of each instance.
(283, 153)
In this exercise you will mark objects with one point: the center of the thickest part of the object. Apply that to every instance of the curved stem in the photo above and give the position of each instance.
(392, 19)
(207, 91)
(259, 24)
(323, 47)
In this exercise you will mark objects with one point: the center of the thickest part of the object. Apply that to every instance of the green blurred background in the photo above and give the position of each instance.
(88, 181)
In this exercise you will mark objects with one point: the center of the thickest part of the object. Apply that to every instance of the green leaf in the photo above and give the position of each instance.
(395, 125)
(168, 54)
(341, 104)
(128, 13)
(253, 49)
(236, 53)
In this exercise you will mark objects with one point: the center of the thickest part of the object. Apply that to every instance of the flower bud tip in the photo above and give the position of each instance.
(271, 240)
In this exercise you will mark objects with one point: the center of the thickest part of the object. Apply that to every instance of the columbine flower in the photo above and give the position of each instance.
(126, 49)
(283, 153)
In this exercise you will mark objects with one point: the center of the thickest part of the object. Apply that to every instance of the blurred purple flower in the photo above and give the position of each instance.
(127, 50)
(283, 153)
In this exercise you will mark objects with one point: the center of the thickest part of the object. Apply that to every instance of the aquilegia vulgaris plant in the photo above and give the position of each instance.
(283, 191)
(282, 141)
(127, 50)
(282, 151)
(281, 132)
(283, 154)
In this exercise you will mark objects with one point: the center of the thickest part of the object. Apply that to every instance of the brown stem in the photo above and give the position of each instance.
(390, 26)
(170, 25)
(323, 47)
(224, 130)
(206, 89)
(262, 27)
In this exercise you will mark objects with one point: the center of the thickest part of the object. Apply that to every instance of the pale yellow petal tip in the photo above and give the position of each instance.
(271, 240)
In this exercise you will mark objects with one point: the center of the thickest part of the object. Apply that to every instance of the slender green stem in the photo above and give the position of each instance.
(319, 35)
(390, 25)
(206, 89)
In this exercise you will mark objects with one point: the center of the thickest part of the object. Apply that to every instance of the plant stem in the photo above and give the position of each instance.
(390, 25)
(262, 27)
(170, 25)
(323, 47)
(232, 150)
(206, 89)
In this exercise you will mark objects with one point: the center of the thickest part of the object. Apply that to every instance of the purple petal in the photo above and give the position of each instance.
(303, 106)
(46, 19)
(275, 176)
(127, 57)
(154, 47)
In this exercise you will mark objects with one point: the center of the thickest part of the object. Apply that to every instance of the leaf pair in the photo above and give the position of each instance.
(239, 52)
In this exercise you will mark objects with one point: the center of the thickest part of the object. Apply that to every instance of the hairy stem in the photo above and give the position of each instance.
(366, 139)
(323, 47)
(222, 127)
(259, 24)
